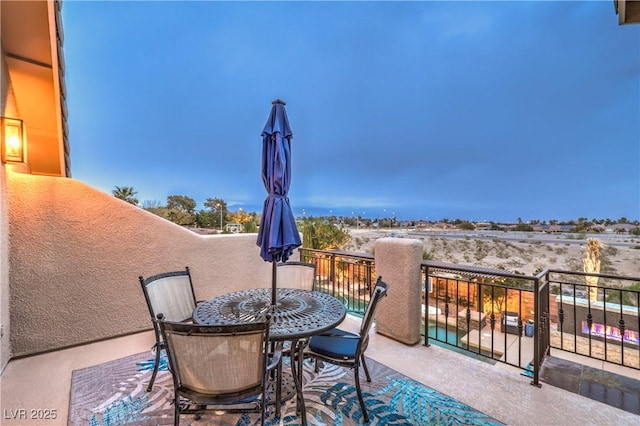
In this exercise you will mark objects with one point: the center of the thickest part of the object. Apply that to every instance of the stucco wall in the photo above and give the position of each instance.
(5, 349)
(8, 108)
(76, 254)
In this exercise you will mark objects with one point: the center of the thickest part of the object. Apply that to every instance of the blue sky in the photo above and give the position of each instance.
(471, 110)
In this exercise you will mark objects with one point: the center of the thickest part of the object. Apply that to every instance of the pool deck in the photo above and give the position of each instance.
(507, 347)
(608, 383)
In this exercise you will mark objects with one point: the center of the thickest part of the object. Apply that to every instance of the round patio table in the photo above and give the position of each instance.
(298, 314)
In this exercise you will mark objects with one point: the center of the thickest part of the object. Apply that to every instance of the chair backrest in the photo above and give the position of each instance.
(219, 361)
(296, 275)
(379, 291)
(170, 294)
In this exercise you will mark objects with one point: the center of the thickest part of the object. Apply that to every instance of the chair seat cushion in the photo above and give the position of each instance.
(335, 343)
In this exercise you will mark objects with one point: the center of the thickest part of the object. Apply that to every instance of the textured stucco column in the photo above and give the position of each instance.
(399, 314)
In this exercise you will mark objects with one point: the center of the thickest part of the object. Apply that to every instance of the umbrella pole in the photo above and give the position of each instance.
(273, 284)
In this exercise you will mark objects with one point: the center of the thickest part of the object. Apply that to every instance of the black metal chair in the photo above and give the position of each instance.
(219, 367)
(300, 275)
(347, 349)
(169, 293)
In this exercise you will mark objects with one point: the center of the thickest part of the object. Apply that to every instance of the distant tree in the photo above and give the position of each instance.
(241, 217)
(591, 265)
(181, 209)
(321, 235)
(205, 219)
(151, 204)
(635, 231)
(175, 214)
(126, 193)
(182, 203)
(180, 217)
(217, 206)
(163, 212)
(468, 226)
(156, 208)
(523, 227)
(251, 227)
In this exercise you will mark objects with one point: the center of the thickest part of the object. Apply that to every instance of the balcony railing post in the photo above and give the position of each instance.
(536, 337)
(426, 306)
(332, 271)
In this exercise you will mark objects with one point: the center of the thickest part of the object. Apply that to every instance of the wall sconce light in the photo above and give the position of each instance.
(12, 140)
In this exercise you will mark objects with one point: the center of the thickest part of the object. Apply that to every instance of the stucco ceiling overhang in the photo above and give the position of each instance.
(25, 31)
(29, 43)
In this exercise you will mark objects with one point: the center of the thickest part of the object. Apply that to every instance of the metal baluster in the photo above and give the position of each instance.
(468, 321)
(561, 321)
(589, 324)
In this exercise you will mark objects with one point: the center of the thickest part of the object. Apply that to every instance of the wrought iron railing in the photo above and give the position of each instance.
(489, 313)
(498, 316)
(595, 315)
(345, 275)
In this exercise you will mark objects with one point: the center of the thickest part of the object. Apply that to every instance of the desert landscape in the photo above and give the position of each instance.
(525, 253)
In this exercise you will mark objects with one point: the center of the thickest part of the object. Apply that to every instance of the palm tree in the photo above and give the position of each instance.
(591, 265)
(126, 193)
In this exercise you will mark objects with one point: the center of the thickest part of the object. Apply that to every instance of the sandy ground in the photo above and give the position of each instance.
(526, 253)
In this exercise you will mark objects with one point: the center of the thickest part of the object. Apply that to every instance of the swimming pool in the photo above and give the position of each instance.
(444, 335)
(449, 339)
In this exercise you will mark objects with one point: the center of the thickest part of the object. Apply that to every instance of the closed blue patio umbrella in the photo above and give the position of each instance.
(278, 235)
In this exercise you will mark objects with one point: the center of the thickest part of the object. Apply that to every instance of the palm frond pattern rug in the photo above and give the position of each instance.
(115, 393)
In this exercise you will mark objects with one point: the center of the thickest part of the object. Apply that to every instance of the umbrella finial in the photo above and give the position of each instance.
(278, 101)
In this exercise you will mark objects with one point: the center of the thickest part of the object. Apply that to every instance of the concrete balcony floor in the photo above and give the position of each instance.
(44, 381)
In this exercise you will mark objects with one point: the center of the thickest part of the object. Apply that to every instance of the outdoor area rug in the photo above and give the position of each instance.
(115, 393)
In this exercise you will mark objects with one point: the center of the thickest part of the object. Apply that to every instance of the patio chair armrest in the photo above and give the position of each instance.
(275, 357)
